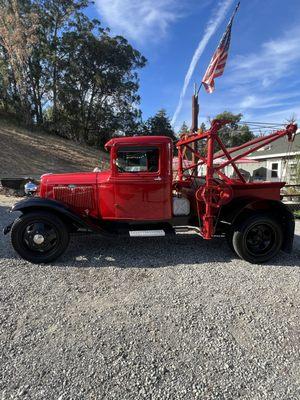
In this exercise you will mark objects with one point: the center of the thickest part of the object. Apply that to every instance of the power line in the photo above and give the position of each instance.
(262, 123)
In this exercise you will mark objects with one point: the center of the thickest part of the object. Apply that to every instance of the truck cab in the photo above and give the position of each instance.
(140, 180)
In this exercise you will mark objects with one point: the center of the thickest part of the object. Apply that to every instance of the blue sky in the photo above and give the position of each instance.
(262, 76)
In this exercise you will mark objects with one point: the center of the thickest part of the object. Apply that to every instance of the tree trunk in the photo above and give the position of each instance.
(55, 38)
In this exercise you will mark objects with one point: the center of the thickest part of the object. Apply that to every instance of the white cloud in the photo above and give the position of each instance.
(262, 84)
(267, 106)
(210, 29)
(264, 101)
(274, 61)
(283, 115)
(139, 20)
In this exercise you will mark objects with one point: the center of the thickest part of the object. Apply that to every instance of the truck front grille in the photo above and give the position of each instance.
(79, 197)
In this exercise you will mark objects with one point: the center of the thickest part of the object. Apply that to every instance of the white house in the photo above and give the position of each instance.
(279, 160)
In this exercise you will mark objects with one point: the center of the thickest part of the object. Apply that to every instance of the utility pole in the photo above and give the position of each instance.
(194, 127)
(195, 111)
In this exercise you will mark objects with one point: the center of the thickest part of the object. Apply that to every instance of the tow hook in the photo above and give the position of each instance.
(7, 229)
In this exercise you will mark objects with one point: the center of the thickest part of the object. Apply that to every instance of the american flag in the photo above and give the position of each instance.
(218, 61)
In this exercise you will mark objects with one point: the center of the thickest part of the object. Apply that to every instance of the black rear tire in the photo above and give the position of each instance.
(35, 227)
(257, 239)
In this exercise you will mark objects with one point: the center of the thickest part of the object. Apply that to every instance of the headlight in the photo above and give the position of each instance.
(30, 188)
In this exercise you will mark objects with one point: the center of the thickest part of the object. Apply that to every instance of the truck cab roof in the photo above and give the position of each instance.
(138, 140)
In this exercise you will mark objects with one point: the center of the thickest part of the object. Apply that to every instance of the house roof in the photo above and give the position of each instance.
(278, 148)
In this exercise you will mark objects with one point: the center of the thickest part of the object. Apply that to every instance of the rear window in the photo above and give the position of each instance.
(138, 159)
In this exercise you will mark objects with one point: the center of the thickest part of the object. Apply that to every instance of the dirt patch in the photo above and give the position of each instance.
(26, 153)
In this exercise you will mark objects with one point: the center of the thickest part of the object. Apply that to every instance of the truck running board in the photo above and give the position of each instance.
(147, 233)
(162, 232)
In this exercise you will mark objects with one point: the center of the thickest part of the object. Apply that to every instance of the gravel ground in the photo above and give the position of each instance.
(149, 318)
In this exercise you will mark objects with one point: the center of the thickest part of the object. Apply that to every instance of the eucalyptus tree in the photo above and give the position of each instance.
(61, 70)
(98, 85)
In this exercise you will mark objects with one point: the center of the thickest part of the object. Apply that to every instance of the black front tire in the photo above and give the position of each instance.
(46, 225)
(257, 239)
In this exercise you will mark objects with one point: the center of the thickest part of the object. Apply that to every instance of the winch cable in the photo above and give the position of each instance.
(284, 171)
(259, 129)
(256, 127)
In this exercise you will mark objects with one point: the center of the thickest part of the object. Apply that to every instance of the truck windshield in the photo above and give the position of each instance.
(137, 159)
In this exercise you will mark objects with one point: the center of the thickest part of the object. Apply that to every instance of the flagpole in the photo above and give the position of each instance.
(195, 97)
(199, 88)
(194, 127)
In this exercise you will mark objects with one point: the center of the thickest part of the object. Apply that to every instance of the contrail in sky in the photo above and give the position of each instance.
(210, 29)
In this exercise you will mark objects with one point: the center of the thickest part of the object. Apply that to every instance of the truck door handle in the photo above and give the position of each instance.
(158, 178)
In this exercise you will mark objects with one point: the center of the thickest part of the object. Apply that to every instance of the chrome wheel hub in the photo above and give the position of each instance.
(40, 236)
(38, 239)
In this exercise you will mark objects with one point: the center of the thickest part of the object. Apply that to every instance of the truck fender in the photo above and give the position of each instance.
(285, 217)
(56, 207)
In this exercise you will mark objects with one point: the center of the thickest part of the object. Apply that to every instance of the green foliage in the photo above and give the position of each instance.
(203, 127)
(234, 134)
(99, 88)
(297, 214)
(184, 129)
(74, 79)
(160, 125)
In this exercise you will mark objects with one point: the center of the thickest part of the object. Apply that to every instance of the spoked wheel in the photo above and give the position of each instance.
(257, 239)
(39, 237)
(260, 239)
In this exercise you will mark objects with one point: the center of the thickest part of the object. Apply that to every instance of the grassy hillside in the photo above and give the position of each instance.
(26, 153)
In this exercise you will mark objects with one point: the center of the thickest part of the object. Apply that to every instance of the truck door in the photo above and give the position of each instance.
(142, 183)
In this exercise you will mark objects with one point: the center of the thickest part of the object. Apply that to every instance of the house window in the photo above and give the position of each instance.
(137, 159)
(274, 170)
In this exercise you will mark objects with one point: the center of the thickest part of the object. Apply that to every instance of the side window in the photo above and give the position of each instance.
(137, 159)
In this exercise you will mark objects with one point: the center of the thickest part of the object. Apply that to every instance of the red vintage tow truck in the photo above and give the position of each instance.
(139, 196)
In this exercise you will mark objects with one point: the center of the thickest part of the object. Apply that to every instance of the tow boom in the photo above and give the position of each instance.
(216, 192)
